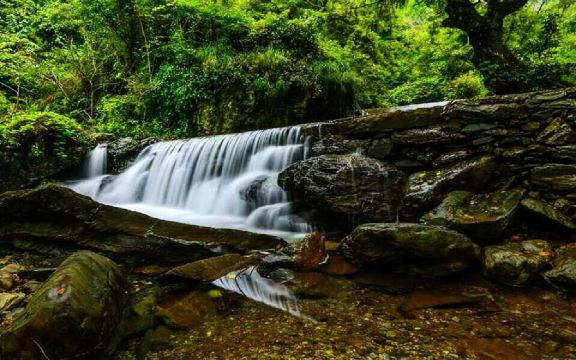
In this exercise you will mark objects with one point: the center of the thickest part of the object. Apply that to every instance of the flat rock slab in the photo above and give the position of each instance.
(53, 219)
(482, 217)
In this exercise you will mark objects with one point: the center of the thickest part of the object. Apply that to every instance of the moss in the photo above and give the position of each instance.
(36, 145)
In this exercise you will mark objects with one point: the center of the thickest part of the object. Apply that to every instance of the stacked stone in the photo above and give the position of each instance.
(499, 170)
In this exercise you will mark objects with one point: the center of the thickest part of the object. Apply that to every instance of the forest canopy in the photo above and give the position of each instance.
(181, 68)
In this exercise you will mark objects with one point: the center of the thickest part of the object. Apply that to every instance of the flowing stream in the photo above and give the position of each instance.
(226, 181)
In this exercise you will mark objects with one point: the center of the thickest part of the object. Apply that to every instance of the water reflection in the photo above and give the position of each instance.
(249, 283)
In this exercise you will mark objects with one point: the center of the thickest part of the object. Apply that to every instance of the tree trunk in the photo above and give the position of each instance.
(501, 68)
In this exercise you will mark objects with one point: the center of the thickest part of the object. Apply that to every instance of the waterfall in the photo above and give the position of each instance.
(227, 181)
(96, 162)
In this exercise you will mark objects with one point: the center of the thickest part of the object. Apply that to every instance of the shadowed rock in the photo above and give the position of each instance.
(563, 275)
(414, 249)
(350, 185)
(427, 189)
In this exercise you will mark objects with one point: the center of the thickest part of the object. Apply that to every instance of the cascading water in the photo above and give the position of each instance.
(226, 181)
(96, 164)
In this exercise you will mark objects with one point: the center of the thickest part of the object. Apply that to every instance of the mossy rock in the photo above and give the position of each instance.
(427, 189)
(415, 249)
(517, 264)
(563, 275)
(482, 217)
(76, 311)
(548, 213)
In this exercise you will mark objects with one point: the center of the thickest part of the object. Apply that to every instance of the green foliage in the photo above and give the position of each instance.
(180, 68)
(34, 134)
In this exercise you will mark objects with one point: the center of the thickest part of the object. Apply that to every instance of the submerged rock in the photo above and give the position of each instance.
(517, 264)
(482, 217)
(76, 311)
(350, 185)
(414, 249)
(548, 213)
(563, 274)
(426, 189)
(53, 219)
(186, 310)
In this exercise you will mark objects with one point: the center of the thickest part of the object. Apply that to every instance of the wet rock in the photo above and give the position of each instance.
(426, 189)
(563, 274)
(482, 217)
(12, 268)
(557, 132)
(554, 177)
(414, 249)
(311, 284)
(10, 300)
(452, 157)
(87, 292)
(261, 191)
(335, 144)
(548, 213)
(380, 148)
(399, 118)
(472, 128)
(349, 185)
(6, 280)
(123, 151)
(186, 310)
(337, 265)
(517, 264)
(305, 254)
(427, 136)
(56, 220)
(563, 154)
(208, 270)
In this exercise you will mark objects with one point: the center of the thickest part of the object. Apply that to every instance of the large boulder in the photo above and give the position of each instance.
(559, 178)
(414, 249)
(53, 219)
(482, 217)
(76, 311)
(563, 275)
(350, 185)
(427, 189)
(516, 264)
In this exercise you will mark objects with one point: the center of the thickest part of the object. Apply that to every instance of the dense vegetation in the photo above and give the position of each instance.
(188, 67)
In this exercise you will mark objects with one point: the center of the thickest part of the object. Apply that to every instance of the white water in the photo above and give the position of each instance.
(96, 164)
(226, 181)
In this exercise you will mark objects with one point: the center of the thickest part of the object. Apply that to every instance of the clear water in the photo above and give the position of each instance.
(226, 181)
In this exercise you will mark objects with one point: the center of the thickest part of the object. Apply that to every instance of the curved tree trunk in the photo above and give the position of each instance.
(491, 55)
